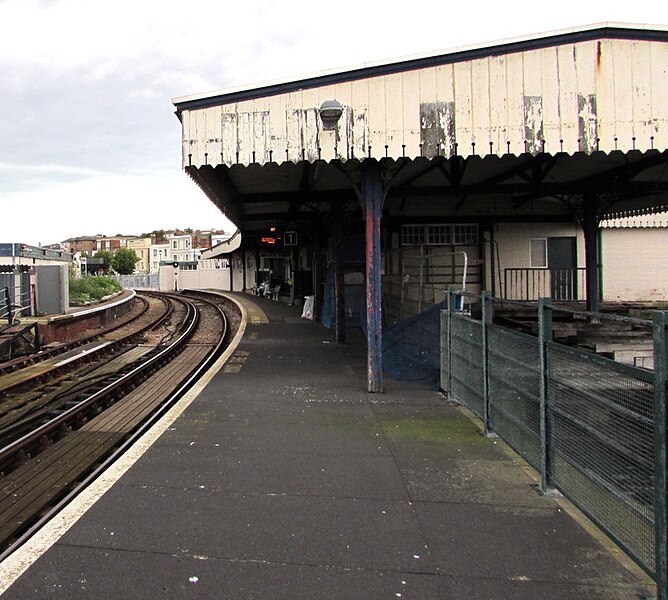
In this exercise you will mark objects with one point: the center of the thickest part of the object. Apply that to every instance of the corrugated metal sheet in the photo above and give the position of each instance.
(606, 94)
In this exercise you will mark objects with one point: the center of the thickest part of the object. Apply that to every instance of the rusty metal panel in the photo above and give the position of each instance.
(463, 108)
(659, 92)
(428, 97)
(533, 124)
(585, 59)
(480, 102)
(551, 102)
(346, 125)
(186, 137)
(515, 104)
(198, 127)
(642, 102)
(498, 108)
(212, 146)
(394, 121)
(437, 128)
(445, 90)
(377, 111)
(410, 137)
(620, 122)
(587, 123)
(568, 104)
(606, 88)
(359, 97)
(533, 102)
(229, 139)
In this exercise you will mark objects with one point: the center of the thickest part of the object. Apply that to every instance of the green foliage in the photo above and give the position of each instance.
(106, 256)
(90, 288)
(124, 260)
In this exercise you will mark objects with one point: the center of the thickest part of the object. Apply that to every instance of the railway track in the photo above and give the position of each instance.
(48, 453)
(140, 306)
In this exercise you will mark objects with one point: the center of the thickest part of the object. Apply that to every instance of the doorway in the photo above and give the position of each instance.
(562, 264)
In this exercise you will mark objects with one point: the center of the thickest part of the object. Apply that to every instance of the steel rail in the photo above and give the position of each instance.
(17, 363)
(190, 323)
(111, 345)
(127, 443)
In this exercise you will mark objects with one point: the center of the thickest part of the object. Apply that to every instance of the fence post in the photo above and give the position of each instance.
(10, 312)
(6, 291)
(452, 298)
(445, 349)
(486, 299)
(544, 336)
(660, 479)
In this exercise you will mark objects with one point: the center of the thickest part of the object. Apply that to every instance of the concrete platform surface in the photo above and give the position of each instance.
(285, 479)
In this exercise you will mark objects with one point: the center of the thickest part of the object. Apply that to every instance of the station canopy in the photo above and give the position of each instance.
(524, 129)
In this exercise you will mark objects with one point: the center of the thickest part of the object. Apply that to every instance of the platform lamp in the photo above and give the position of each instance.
(330, 112)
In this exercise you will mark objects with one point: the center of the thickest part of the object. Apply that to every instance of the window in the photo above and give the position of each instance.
(439, 234)
(538, 253)
(412, 235)
(174, 244)
(466, 233)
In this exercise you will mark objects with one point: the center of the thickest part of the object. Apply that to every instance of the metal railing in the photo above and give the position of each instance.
(423, 274)
(594, 428)
(12, 306)
(527, 283)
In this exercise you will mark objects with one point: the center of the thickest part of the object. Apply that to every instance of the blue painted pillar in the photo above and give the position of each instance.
(372, 196)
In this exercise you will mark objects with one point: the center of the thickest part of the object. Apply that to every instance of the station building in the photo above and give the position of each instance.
(377, 188)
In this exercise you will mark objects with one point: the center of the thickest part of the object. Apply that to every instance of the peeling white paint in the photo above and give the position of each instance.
(580, 96)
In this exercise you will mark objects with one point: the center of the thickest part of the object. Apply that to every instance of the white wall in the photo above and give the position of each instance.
(634, 260)
(207, 275)
(635, 264)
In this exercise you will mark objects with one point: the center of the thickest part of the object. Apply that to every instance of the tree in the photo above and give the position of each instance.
(106, 256)
(124, 260)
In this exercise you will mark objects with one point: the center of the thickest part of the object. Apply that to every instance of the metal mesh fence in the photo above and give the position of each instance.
(411, 348)
(467, 363)
(445, 345)
(514, 390)
(601, 432)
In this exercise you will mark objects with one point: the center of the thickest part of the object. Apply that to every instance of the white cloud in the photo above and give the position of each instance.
(108, 204)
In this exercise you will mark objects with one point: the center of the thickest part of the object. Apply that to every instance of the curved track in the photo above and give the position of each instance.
(45, 466)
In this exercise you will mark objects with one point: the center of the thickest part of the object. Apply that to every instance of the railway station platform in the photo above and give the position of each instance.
(281, 477)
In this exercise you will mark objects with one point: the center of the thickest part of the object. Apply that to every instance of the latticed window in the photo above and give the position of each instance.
(465, 233)
(412, 235)
(439, 234)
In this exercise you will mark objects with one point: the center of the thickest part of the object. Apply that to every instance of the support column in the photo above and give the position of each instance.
(590, 229)
(339, 282)
(243, 275)
(231, 260)
(372, 197)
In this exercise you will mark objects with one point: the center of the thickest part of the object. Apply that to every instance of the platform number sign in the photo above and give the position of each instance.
(290, 238)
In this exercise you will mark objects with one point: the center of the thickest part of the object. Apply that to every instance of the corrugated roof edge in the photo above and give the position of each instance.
(408, 63)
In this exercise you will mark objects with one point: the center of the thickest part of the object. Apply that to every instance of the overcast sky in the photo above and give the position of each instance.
(89, 142)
